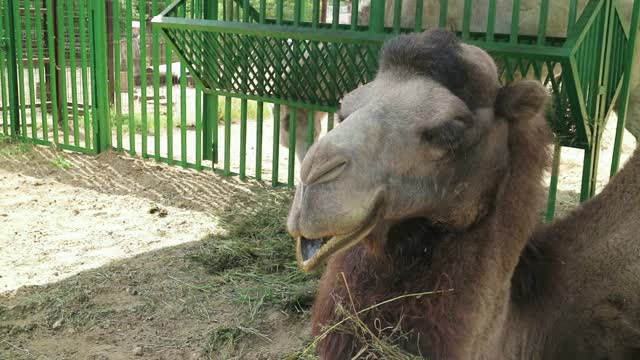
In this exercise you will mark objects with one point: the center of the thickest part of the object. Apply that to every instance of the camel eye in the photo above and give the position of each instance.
(447, 135)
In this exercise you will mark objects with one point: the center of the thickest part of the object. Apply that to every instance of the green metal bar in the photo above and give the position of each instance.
(4, 117)
(335, 17)
(276, 145)
(587, 174)
(116, 65)
(210, 112)
(263, 11)
(30, 70)
(573, 13)
(19, 58)
(376, 19)
(41, 70)
(491, 20)
(6, 85)
(597, 141)
(98, 26)
(63, 67)
(130, 85)
(280, 11)
(198, 129)
(85, 80)
(466, 19)
(626, 86)
(397, 15)
(243, 138)
(183, 103)
(330, 121)
(156, 85)
(142, 6)
(183, 114)
(227, 136)
(553, 185)
(515, 22)
(315, 13)
(213, 118)
(3, 91)
(259, 128)
(354, 13)
(542, 23)
(292, 146)
(168, 60)
(310, 129)
(52, 71)
(303, 10)
(418, 20)
(444, 8)
(245, 10)
(605, 64)
(297, 12)
(73, 64)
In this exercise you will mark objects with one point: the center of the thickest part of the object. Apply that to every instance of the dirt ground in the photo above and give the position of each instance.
(101, 257)
(94, 260)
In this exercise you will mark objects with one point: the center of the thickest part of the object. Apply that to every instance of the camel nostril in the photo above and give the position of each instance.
(326, 172)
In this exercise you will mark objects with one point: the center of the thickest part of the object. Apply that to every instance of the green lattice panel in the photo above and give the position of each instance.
(314, 72)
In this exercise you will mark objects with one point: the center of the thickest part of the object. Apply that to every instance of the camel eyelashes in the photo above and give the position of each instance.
(447, 135)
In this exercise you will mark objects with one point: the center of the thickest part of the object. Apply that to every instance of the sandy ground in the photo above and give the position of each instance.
(61, 229)
(63, 221)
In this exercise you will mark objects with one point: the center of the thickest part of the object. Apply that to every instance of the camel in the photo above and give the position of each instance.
(529, 18)
(433, 182)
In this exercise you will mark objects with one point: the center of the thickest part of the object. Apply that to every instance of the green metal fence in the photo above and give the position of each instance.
(582, 50)
(49, 73)
(222, 85)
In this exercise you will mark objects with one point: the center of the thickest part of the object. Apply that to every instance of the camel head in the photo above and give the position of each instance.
(424, 140)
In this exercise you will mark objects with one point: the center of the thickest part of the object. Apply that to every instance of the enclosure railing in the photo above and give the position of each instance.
(217, 84)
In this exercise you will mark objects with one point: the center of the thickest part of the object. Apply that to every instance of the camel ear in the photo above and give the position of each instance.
(521, 100)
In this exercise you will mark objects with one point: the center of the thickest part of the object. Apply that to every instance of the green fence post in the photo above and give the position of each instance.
(210, 102)
(12, 65)
(99, 78)
(376, 20)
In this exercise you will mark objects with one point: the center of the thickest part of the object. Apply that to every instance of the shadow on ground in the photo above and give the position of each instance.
(116, 174)
(235, 295)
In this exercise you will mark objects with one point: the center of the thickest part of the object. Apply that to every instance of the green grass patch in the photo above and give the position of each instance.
(60, 161)
(11, 146)
(254, 265)
(258, 255)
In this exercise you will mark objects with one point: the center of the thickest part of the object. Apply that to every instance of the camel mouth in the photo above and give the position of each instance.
(311, 253)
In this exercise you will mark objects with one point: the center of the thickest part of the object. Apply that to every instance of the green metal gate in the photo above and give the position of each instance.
(50, 68)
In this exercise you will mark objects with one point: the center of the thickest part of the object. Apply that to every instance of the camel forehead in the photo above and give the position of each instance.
(414, 101)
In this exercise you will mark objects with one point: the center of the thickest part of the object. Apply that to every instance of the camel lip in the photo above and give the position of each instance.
(311, 253)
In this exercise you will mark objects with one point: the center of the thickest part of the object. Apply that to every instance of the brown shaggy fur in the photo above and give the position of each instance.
(568, 290)
(459, 259)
